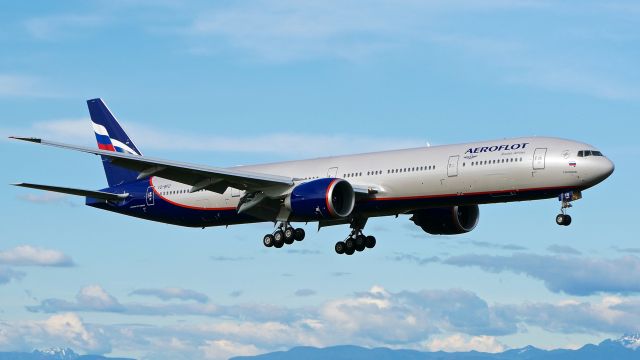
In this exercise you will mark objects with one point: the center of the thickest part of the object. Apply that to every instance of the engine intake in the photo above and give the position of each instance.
(321, 199)
(447, 221)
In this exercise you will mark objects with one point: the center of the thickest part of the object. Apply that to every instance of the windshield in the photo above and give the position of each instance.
(585, 153)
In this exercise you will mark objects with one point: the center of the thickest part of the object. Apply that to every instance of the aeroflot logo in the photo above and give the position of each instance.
(484, 149)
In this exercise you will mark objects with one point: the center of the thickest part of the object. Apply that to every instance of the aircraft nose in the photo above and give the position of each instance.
(605, 169)
(608, 168)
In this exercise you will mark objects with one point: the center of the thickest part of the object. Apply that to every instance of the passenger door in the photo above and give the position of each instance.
(452, 168)
(332, 172)
(539, 157)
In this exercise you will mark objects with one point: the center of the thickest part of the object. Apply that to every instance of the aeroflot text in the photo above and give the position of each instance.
(496, 148)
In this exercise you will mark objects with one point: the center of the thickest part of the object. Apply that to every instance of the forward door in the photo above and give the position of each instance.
(539, 159)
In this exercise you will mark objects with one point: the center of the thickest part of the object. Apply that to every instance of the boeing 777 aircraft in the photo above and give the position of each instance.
(440, 186)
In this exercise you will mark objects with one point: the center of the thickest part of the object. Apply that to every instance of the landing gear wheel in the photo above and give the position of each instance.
(340, 247)
(349, 245)
(350, 251)
(268, 240)
(360, 242)
(564, 220)
(298, 234)
(370, 242)
(278, 238)
(288, 235)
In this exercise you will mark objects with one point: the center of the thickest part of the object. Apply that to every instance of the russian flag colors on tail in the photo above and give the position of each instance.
(111, 137)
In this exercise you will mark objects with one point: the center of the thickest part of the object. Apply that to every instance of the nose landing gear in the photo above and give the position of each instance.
(566, 198)
(284, 234)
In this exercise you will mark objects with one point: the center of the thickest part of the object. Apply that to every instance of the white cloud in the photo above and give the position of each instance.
(451, 320)
(95, 297)
(462, 343)
(224, 349)
(570, 274)
(27, 255)
(70, 328)
(60, 330)
(173, 293)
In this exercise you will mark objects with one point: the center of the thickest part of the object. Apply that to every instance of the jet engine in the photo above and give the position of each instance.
(448, 220)
(326, 198)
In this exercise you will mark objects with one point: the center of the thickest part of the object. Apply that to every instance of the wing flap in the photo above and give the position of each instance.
(79, 192)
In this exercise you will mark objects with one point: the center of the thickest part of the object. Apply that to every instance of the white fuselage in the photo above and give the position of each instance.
(494, 171)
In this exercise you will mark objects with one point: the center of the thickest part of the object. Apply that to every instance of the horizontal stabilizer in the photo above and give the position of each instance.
(80, 192)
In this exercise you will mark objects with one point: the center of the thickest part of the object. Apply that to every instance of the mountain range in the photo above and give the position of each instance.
(52, 354)
(624, 348)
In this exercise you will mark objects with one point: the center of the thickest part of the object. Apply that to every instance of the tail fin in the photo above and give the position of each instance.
(111, 137)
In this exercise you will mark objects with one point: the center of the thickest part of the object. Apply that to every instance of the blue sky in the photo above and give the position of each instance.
(230, 83)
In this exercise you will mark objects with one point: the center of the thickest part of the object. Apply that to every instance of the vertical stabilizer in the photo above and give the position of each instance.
(111, 137)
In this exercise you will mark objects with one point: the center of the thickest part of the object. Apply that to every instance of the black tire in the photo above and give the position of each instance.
(278, 238)
(298, 234)
(560, 219)
(360, 241)
(349, 244)
(370, 242)
(350, 251)
(340, 247)
(288, 235)
(567, 220)
(268, 240)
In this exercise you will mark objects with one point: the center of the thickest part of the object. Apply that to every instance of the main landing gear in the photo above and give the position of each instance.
(356, 241)
(564, 219)
(284, 234)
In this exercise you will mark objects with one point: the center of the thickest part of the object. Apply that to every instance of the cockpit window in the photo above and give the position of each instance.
(585, 153)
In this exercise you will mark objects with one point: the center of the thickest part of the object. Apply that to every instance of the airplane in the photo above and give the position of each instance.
(440, 187)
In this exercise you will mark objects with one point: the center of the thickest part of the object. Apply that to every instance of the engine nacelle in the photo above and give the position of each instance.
(327, 198)
(447, 221)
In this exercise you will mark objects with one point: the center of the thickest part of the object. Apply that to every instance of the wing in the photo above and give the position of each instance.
(198, 176)
(80, 192)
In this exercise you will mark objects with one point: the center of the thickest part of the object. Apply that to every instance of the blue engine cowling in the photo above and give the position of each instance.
(447, 221)
(327, 198)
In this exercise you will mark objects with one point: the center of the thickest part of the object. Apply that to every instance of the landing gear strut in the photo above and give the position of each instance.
(356, 241)
(284, 234)
(563, 218)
